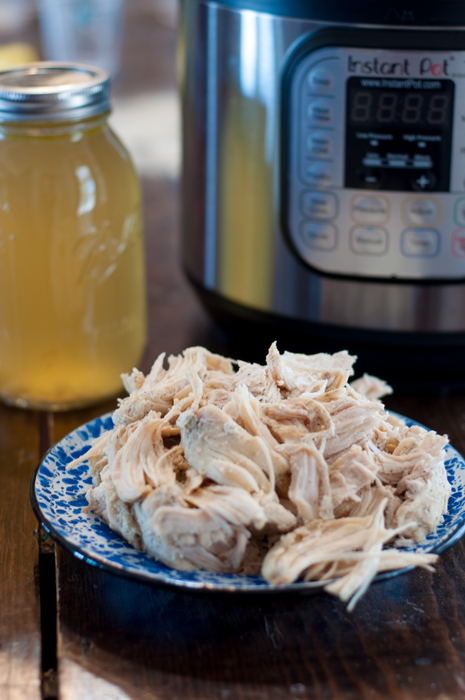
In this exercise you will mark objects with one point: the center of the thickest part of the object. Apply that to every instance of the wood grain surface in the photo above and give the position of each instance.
(405, 639)
(20, 642)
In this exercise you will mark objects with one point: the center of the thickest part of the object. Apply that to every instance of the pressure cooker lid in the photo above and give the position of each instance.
(418, 13)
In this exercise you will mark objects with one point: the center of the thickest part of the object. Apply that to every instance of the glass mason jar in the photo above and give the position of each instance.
(72, 286)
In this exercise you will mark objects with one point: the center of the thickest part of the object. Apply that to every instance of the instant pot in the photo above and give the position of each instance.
(324, 176)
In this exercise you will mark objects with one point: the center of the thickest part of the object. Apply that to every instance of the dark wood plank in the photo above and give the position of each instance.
(404, 640)
(20, 645)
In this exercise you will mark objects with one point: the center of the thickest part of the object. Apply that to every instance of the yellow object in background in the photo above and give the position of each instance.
(72, 285)
(17, 53)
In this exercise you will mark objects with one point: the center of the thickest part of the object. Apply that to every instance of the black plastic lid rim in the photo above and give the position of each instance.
(399, 13)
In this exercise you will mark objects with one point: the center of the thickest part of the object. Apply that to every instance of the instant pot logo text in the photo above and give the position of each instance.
(374, 66)
(429, 67)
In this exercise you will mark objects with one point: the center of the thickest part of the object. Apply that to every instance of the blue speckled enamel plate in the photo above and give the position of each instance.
(58, 497)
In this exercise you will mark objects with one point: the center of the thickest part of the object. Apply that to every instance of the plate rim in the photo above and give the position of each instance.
(100, 562)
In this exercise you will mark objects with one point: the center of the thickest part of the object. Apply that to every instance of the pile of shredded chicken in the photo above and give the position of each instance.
(284, 469)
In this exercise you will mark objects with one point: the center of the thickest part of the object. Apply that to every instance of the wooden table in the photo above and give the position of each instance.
(71, 631)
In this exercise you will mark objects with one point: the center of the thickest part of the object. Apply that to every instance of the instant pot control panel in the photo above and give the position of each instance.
(374, 153)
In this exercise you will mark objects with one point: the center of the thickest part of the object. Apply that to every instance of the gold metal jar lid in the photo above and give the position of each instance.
(54, 91)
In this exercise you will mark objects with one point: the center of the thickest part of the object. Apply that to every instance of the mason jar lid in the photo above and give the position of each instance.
(52, 91)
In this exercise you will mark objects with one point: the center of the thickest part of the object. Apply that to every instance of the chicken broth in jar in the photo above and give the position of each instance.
(72, 286)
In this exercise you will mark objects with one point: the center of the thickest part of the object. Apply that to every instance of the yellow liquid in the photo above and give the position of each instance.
(72, 287)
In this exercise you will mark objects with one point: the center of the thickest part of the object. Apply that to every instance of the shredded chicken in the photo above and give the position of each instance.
(284, 469)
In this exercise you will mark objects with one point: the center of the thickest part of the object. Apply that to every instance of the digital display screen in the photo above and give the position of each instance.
(420, 108)
(398, 133)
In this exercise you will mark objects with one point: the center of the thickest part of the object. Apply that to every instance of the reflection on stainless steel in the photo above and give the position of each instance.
(211, 193)
(233, 240)
(403, 307)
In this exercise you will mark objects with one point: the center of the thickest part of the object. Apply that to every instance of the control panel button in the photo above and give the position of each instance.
(319, 175)
(319, 144)
(319, 236)
(320, 81)
(421, 211)
(458, 243)
(459, 211)
(368, 240)
(424, 181)
(319, 205)
(371, 178)
(419, 242)
(369, 210)
(320, 113)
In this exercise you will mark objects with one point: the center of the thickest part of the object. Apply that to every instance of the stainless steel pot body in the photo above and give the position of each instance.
(231, 75)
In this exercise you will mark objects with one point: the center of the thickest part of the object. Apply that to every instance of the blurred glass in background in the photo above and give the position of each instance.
(14, 15)
(83, 31)
(15, 43)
